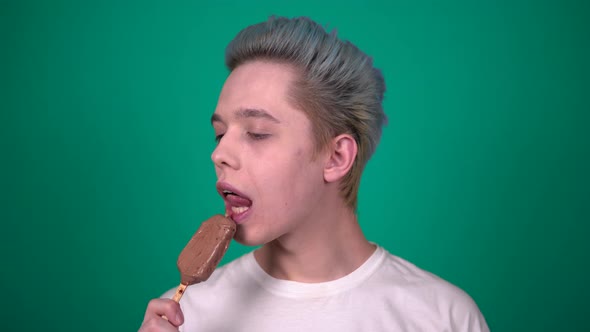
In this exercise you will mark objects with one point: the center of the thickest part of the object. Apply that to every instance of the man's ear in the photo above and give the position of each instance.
(343, 150)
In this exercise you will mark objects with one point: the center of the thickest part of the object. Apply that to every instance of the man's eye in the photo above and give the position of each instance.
(218, 138)
(257, 137)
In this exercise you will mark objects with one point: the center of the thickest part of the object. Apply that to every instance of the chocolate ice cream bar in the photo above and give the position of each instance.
(202, 254)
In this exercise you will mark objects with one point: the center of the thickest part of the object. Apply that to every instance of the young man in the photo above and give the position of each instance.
(296, 121)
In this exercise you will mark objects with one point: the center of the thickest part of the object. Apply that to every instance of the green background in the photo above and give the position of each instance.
(481, 176)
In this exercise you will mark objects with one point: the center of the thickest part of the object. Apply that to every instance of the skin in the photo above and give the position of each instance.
(307, 232)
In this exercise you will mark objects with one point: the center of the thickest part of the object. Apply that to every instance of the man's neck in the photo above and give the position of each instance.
(327, 248)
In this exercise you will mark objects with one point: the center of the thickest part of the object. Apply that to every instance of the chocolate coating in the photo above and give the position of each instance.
(202, 253)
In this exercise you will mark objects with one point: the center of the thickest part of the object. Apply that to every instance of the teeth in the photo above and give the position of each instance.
(227, 192)
(239, 209)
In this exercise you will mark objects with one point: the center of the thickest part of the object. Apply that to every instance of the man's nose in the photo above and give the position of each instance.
(226, 153)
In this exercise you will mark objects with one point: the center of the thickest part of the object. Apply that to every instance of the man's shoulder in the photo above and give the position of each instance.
(413, 281)
(423, 292)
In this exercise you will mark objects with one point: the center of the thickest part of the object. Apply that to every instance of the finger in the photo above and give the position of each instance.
(157, 324)
(165, 308)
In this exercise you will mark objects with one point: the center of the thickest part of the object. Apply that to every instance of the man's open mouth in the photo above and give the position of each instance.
(237, 204)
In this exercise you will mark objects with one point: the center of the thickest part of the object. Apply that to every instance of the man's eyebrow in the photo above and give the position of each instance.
(256, 113)
(248, 113)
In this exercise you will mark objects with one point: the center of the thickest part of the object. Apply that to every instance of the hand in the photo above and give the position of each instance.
(162, 315)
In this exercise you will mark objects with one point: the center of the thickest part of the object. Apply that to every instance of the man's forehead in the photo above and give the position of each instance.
(258, 77)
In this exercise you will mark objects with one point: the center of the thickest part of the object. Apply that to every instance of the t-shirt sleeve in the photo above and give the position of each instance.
(465, 315)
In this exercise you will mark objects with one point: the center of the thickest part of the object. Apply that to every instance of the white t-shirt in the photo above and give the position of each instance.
(386, 293)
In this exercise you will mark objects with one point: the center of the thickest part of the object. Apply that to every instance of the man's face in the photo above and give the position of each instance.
(266, 174)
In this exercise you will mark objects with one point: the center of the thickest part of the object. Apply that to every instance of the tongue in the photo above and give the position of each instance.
(236, 200)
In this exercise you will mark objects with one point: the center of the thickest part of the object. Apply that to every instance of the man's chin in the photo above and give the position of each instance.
(247, 239)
